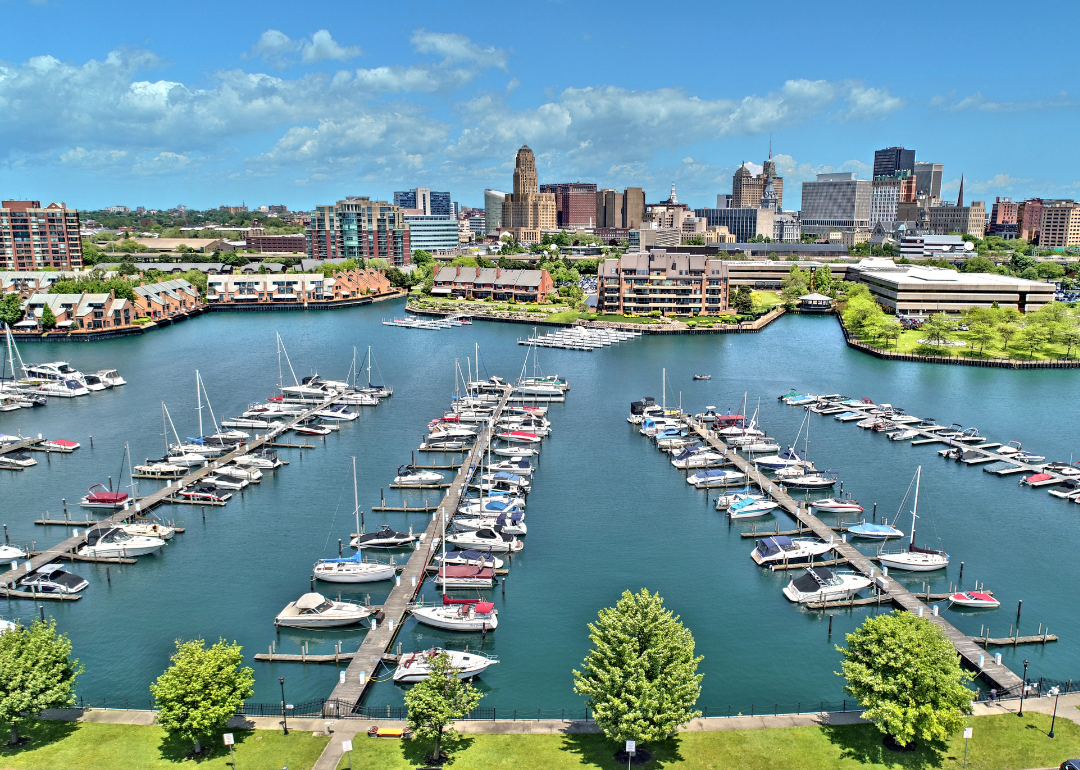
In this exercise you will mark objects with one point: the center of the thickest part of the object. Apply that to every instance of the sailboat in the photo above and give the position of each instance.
(915, 559)
(353, 569)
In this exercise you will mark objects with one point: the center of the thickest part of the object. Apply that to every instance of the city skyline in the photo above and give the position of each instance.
(164, 110)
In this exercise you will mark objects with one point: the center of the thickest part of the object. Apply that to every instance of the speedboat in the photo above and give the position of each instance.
(503, 481)
(353, 570)
(187, 459)
(978, 599)
(310, 429)
(518, 437)
(874, 531)
(492, 506)
(475, 558)
(114, 543)
(227, 481)
(148, 528)
(100, 497)
(313, 610)
(267, 458)
(751, 506)
(9, 552)
(94, 383)
(60, 445)
(762, 445)
(1015, 452)
(702, 376)
(849, 416)
(1036, 478)
(716, 477)
(51, 579)
(337, 412)
(786, 459)
(903, 435)
(204, 492)
(488, 539)
(19, 459)
(516, 451)
(518, 466)
(700, 459)
(453, 576)
(785, 550)
(417, 666)
(383, 538)
(111, 377)
(409, 476)
(459, 615)
(812, 481)
(510, 523)
(832, 505)
(819, 584)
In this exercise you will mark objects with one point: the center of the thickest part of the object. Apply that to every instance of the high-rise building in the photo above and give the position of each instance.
(1003, 218)
(431, 233)
(887, 193)
(744, 223)
(33, 238)
(432, 202)
(1060, 226)
(527, 211)
(673, 284)
(892, 159)
(575, 204)
(836, 202)
(493, 205)
(360, 228)
(965, 220)
(633, 207)
(609, 208)
(928, 179)
(747, 189)
(723, 201)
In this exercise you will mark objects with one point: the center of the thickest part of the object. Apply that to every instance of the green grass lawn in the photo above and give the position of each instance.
(766, 300)
(1004, 742)
(909, 343)
(96, 746)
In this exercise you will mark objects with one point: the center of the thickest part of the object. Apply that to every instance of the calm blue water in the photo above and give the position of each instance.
(608, 512)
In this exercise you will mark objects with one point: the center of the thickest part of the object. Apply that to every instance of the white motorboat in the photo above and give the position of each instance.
(474, 558)
(834, 505)
(57, 371)
(161, 469)
(260, 423)
(111, 377)
(94, 383)
(409, 476)
(517, 465)
(703, 459)
(9, 552)
(337, 412)
(204, 492)
(491, 505)
(227, 481)
(417, 666)
(503, 482)
(811, 481)
(516, 451)
(509, 523)
(787, 459)
(903, 435)
(818, 584)
(915, 559)
(459, 615)
(751, 506)
(187, 459)
(464, 576)
(265, 459)
(313, 610)
(353, 570)
(724, 501)
(148, 528)
(716, 477)
(383, 538)
(486, 539)
(64, 388)
(99, 497)
(518, 437)
(114, 543)
(51, 579)
(781, 549)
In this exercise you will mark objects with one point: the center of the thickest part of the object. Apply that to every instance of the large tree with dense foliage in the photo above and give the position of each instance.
(905, 673)
(437, 701)
(11, 309)
(640, 678)
(202, 688)
(36, 672)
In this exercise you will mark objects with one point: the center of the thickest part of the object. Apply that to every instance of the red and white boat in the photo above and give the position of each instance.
(1035, 478)
(973, 599)
(60, 445)
(465, 576)
(98, 496)
(311, 430)
(204, 493)
(459, 615)
(832, 505)
(518, 437)
(417, 666)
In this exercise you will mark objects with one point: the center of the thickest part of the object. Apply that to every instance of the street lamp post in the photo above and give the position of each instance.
(1023, 689)
(285, 720)
(1056, 692)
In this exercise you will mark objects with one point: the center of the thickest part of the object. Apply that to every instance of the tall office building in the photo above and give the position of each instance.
(836, 202)
(633, 207)
(928, 179)
(743, 223)
(431, 233)
(527, 211)
(33, 238)
(747, 189)
(1060, 225)
(359, 228)
(1003, 218)
(493, 204)
(575, 204)
(432, 202)
(609, 208)
(892, 159)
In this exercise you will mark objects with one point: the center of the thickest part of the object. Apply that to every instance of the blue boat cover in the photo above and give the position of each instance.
(876, 529)
(772, 545)
(473, 555)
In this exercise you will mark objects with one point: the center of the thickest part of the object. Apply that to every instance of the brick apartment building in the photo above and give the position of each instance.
(32, 237)
(493, 283)
(359, 228)
(674, 284)
(86, 312)
(277, 244)
(575, 204)
(295, 289)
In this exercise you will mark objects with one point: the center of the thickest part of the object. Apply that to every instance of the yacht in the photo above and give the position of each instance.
(353, 570)
(760, 445)
(100, 497)
(475, 558)
(94, 383)
(313, 610)
(57, 370)
(417, 666)
(114, 543)
(786, 459)
(383, 538)
(10, 552)
(451, 576)
(490, 506)
(715, 477)
(818, 584)
(111, 377)
(51, 579)
(64, 388)
(459, 615)
(751, 506)
(148, 528)
(409, 476)
(781, 549)
(512, 523)
(702, 459)
(161, 469)
(487, 539)
(834, 505)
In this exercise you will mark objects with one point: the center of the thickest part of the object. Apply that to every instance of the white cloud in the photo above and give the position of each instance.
(1001, 182)
(976, 101)
(870, 103)
(458, 48)
(322, 46)
(277, 48)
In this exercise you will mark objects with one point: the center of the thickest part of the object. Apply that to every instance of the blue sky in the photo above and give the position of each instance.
(215, 103)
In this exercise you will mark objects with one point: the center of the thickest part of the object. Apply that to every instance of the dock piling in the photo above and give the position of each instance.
(108, 576)
(1019, 606)
(91, 442)
(874, 519)
(961, 571)
(339, 547)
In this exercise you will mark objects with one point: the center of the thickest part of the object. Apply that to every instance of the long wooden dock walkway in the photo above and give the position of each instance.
(26, 443)
(367, 658)
(65, 548)
(997, 675)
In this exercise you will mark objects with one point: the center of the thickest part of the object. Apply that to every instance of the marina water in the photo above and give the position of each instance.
(607, 511)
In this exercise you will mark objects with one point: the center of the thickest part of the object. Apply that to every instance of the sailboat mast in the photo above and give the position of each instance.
(198, 396)
(663, 389)
(131, 476)
(369, 366)
(918, 478)
(208, 406)
(356, 500)
(164, 431)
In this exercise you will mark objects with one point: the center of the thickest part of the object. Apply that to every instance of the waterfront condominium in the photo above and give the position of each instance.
(36, 238)
(674, 284)
(359, 228)
(575, 204)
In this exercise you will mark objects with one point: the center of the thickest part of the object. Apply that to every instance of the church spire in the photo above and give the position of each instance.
(673, 199)
(960, 197)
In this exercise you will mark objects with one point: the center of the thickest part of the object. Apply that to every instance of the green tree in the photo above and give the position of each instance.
(978, 264)
(1070, 337)
(1007, 331)
(905, 672)
(821, 280)
(437, 701)
(1021, 262)
(860, 311)
(891, 330)
(743, 301)
(1050, 271)
(36, 672)
(936, 329)
(11, 309)
(795, 284)
(421, 257)
(981, 334)
(48, 318)
(640, 678)
(203, 687)
(1031, 338)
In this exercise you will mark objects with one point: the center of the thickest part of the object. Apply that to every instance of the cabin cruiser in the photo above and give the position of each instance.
(267, 458)
(759, 445)
(383, 538)
(490, 506)
(226, 481)
(417, 666)
(337, 412)
(408, 476)
(456, 576)
(459, 615)
(313, 610)
(751, 506)
(517, 465)
(51, 579)
(701, 459)
(64, 388)
(475, 558)
(94, 383)
(486, 538)
(977, 599)
(874, 531)
(515, 451)
(194, 446)
(441, 443)
(786, 459)
(650, 426)
(262, 423)
(187, 459)
(781, 549)
(643, 409)
(819, 584)
(148, 528)
(825, 480)
(111, 377)
(100, 497)
(9, 552)
(512, 523)
(204, 492)
(716, 477)
(451, 430)
(353, 569)
(834, 505)
(1062, 469)
(57, 370)
(114, 543)
(501, 481)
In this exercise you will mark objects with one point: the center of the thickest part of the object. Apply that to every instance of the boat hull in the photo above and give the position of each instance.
(426, 616)
(384, 572)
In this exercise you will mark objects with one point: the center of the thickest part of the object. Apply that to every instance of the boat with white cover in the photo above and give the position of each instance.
(512, 523)
(492, 505)
(114, 543)
(818, 584)
(703, 459)
(313, 610)
(486, 539)
(834, 505)
(459, 615)
(716, 477)
(465, 576)
(408, 476)
(475, 558)
(383, 538)
(781, 549)
(417, 666)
